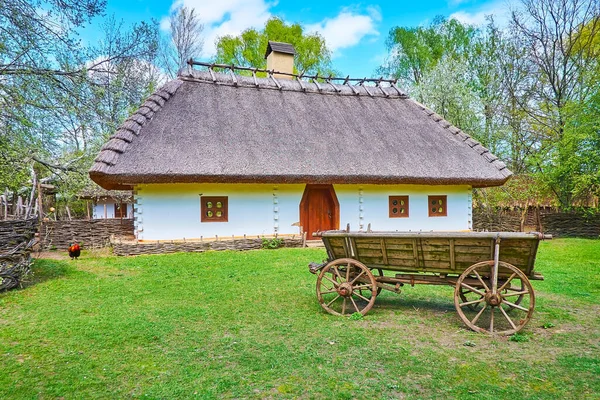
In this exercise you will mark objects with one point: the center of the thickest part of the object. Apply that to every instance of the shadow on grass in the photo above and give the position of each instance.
(46, 270)
(400, 302)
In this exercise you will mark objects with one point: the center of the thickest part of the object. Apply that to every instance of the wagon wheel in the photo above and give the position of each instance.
(514, 287)
(366, 292)
(482, 310)
(465, 296)
(346, 286)
(377, 272)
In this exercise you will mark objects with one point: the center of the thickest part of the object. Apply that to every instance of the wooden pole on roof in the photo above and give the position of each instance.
(105, 211)
(87, 207)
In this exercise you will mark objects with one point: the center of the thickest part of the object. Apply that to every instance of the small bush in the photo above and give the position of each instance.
(273, 243)
(357, 316)
(519, 338)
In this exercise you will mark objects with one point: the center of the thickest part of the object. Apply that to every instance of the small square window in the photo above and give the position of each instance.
(213, 209)
(438, 206)
(398, 206)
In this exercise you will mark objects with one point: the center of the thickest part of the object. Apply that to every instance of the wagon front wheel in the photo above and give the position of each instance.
(346, 286)
(504, 312)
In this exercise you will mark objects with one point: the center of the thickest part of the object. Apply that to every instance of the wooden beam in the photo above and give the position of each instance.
(452, 262)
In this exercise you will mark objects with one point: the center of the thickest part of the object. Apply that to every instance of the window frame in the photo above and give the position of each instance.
(444, 205)
(120, 210)
(404, 198)
(204, 209)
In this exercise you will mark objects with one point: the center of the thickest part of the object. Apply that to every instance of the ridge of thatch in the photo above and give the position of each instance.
(219, 127)
(125, 135)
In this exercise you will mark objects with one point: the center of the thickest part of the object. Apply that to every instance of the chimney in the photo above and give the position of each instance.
(280, 58)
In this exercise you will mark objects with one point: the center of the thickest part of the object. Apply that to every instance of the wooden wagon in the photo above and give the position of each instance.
(490, 272)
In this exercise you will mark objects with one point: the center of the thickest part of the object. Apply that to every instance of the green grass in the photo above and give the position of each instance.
(248, 325)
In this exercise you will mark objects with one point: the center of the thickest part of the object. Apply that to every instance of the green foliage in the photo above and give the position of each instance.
(416, 51)
(114, 327)
(529, 92)
(357, 316)
(520, 191)
(248, 49)
(272, 243)
(519, 338)
(59, 100)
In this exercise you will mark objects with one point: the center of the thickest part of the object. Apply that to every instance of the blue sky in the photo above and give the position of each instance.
(355, 31)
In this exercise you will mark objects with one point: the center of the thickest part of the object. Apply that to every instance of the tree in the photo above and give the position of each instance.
(184, 42)
(57, 98)
(248, 49)
(413, 52)
(559, 37)
(446, 89)
(37, 46)
(528, 92)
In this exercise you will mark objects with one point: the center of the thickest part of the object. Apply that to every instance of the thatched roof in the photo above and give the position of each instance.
(213, 127)
(97, 193)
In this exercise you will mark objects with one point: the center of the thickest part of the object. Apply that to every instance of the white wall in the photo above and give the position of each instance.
(98, 210)
(172, 211)
(361, 205)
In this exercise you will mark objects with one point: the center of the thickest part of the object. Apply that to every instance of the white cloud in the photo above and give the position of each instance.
(347, 29)
(499, 9)
(454, 3)
(224, 17)
(231, 17)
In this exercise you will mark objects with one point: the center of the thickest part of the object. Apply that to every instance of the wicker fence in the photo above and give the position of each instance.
(131, 248)
(89, 233)
(546, 220)
(16, 241)
(572, 225)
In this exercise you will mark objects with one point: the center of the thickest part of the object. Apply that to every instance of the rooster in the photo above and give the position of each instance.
(74, 251)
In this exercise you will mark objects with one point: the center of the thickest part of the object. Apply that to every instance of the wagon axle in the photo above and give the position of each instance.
(493, 299)
(345, 289)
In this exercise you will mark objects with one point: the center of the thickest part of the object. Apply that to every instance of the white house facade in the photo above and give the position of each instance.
(174, 211)
(107, 209)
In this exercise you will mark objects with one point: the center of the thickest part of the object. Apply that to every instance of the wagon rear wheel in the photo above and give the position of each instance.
(505, 312)
(346, 286)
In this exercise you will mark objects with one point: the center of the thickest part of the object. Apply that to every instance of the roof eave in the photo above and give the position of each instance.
(127, 181)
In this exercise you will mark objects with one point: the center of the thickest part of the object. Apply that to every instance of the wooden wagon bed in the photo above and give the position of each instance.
(491, 272)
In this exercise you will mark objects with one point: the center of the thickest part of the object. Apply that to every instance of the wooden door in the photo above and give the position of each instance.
(319, 209)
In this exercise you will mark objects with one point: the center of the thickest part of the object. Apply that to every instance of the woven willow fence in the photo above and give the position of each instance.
(89, 233)
(546, 220)
(132, 248)
(17, 238)
(572, 224)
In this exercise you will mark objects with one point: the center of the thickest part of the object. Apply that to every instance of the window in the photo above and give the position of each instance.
(120, 210)
(438, 206)
(213, 209)
(398, 206)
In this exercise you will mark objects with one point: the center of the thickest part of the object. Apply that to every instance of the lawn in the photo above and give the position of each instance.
(248, 325)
